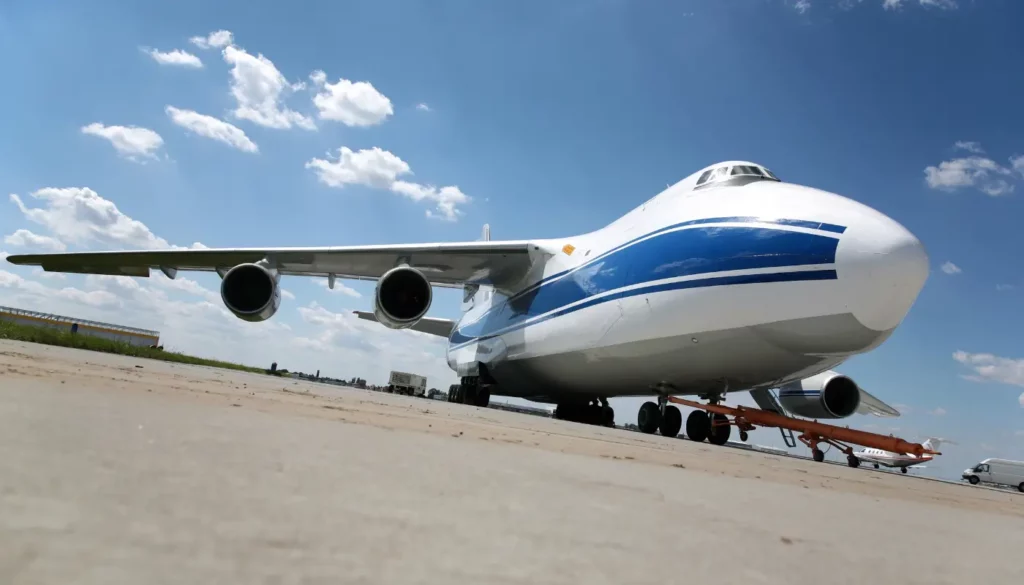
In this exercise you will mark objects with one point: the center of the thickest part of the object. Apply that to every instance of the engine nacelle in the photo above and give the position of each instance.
(826, 395)
(251, 292)
(402, 298)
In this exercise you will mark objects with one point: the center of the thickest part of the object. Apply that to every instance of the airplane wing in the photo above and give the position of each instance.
(871, 405)
(431, 325)
(443, 264)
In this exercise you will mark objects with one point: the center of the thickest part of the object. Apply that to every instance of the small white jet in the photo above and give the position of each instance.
(729, 280)
(880, 457)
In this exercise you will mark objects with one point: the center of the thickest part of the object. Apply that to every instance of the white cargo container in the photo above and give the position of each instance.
(409, 384)
(998, 472)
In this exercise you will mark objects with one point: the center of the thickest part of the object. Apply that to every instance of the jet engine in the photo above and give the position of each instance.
(826, 395)
(402, 297)
(251, 292)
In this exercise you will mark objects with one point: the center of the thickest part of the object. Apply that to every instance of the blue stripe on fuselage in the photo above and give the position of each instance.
(663, 255)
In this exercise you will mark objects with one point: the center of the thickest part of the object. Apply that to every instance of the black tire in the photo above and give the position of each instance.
(1020, 488)
(649, 418)
(671, 421)
(876, 466)
(852, 461)
(608, 416)
(698, 426)
(720, 432)
(903, 469)
(818, 455)
(744, 436)
(483, 397)
(973, 479)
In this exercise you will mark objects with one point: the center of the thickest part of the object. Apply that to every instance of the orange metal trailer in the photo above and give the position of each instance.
(812, 434)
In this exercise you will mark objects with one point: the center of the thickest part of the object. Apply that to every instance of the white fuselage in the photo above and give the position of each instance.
(707, 290)
(890, 459)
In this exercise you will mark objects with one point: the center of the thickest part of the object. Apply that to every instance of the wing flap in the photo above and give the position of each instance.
(448, 264)
(431, 325)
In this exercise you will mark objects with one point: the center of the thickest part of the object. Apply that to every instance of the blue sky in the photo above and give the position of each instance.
(540, 118)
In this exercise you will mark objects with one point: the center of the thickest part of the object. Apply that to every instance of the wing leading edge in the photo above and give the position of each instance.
(443, 264)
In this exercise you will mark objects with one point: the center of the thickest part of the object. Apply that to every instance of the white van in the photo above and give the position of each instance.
(997, 471)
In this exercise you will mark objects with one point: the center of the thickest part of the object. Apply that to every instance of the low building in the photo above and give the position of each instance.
(121, 333)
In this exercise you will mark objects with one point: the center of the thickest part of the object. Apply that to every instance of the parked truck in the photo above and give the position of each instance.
(408, 384)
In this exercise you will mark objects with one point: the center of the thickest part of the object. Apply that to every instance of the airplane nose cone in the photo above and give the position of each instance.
(882, 267)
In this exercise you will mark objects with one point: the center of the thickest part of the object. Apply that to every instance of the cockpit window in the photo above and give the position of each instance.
(734, 175)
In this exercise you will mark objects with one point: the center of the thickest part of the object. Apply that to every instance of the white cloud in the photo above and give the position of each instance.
(950, 268)
(1021, 400)
(969, 146)
(287, 295)
(974, 171)
(79, 215)
(129, 141)
(380, 169)
(340, 288)
(1018, 163)
(351, 103)
(1004, 287)
(992, 368)
(176, 57)
(19, 287)
(214, 40)
(938, 412)
(26, 239)
(802, 6)
(260, 89)
(423, 107)
(37, 271)
(943, 4)
(211, 127)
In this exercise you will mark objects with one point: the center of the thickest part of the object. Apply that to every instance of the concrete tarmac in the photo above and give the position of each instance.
(115, 473)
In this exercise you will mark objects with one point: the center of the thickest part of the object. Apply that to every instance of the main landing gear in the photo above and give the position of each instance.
(668, 420)
(471, 391)
(594, 412)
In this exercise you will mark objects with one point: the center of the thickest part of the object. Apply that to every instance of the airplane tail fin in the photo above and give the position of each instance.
(486, 236)
(933, 443)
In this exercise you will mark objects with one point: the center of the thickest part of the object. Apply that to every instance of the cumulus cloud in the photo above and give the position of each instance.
(260, 90)
(214, 40)
(79, 215)
(979, 172)
(950, 268)
(25, 239)
(340, 288)
(177, 57)
(987, 367)
(969, 146)
(380, 169)
(353, 103)
(423, 107)
(132, 142)
(943, 4)
(213, 128)
(1017, 162)
(938, 412)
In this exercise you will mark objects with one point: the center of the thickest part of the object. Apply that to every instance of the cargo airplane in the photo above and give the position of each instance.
(729, 280)
(902, 460)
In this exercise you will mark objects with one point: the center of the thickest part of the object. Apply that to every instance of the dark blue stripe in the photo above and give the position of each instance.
(460, 337)
(829, 227)
(800, 393)
(672, 254)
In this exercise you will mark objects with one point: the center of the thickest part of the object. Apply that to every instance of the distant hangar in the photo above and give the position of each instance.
(111, 331)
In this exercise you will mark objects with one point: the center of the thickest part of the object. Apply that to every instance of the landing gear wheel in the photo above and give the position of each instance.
(903, 469)
(818, 455)
(469, 391)
(607, 416)
(974, 480)
(720, 430)
(852, 461)
(483, 396)
(876, 466)
(671, 421)
(744, 436)
(698, 426)
(649, 418)
(1021, 487)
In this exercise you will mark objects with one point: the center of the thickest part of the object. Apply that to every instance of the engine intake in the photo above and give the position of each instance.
(251, 292)
(402, 298)
(827, 395)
